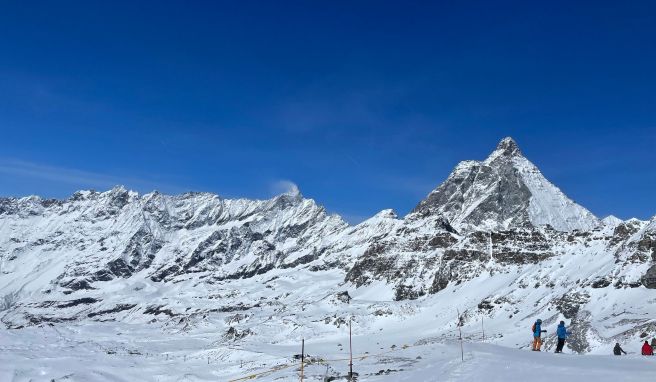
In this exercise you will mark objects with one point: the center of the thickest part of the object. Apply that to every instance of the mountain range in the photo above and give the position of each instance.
(496, 241)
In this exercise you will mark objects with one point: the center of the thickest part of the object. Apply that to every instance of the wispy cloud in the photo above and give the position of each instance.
(56, 174)
(81, 179)
(284, 186)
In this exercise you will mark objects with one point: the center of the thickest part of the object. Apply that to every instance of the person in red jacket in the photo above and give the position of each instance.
(646, 349)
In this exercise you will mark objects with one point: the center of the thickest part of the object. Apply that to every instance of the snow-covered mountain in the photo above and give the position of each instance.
(496, 240)
(505, 190)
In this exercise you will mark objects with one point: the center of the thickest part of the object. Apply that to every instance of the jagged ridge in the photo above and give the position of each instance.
(121, 255)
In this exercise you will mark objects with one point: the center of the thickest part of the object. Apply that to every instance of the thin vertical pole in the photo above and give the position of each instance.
(350, 351)
(483, 328)
(302, 357)
(462, 352)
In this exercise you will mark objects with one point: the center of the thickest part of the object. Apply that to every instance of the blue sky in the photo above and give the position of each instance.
(363, 105)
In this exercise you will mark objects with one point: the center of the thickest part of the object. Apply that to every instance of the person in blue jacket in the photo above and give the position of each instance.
(537, 333)
(562, 334)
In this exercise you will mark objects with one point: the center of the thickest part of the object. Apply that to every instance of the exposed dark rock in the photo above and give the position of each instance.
(79, 301)
(649, 279)
(8, 206)
(165, 272)
(103, 275)
(300, 261)
(295, 230)
(407, 292)
(440, 280)
(344, 297)
(156, 310)
(371, 266)
(569, 304)
(442, 240)
(119, 268)
(248, 272)
(383, 312)
(38, 319)
(520, 257)
(486, 305)
(623, 231)
(116, 309)
(465, 255)
(233, 334)
(580, 328)
(648, 244)
(206, 249)
(235, 308)
(51, 202)
(601, 282)
(77, 284)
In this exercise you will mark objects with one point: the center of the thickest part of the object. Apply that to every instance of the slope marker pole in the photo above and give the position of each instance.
(350, 351)
(302, 356)
(462, 352)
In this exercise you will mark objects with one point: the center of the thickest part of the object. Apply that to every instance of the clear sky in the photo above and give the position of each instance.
(363, 105)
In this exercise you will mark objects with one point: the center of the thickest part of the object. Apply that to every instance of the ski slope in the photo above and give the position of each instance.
(118, 352)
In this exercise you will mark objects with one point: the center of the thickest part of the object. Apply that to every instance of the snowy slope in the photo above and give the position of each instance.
(504, 190)
(109, 353)
(245, 280)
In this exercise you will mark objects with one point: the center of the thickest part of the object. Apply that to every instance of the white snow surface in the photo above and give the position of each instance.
(549, 205)
(117, 286)
(405, 351)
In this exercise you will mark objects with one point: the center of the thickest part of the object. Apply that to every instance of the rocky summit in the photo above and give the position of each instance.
(496, 241)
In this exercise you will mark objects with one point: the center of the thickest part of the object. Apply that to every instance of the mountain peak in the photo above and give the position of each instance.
(508, 148)
(504, 190)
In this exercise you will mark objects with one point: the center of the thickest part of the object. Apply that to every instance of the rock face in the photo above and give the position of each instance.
(503, 191)
(496, 234)
(649, 279)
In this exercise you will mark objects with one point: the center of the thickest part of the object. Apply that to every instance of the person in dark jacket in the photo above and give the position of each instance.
(537, 332)
(617, 350)
(646, 349)
(562, 334)
(653, 343)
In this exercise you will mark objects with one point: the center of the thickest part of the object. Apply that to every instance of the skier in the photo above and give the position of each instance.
(617, 350)
(646, 349)
(653, 343)
(537, 332)
(562, 335)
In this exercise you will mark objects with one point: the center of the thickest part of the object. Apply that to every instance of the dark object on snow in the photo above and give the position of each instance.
(649, 279)
(537, 328)
(562, 335)
(344, 297)
(559, 346)
(646, 349)
(561, 331)
(537, 332)
(617, 350)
